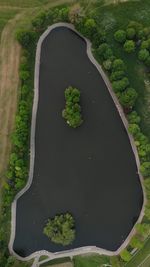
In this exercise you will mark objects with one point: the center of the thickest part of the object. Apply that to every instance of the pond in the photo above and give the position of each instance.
(89, 171)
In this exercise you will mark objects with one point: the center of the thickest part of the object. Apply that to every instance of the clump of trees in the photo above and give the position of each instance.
(72, 111)
(61, 229)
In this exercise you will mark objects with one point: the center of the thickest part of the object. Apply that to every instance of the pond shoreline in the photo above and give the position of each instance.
(86, 249)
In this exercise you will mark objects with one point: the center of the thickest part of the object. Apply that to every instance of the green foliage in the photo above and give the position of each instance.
(107, 64)
(143, 229)
(143, 54)
(133, 117)
(89, 28)
(120, 85)
(145, 169)
(134, 129)
(147, 210)
(129, 46)
(118, 65)
(72, 111)
(120, 36)
(60, 229)
(117, 75)
(104, 51)
(125, 255)
(130, 33)
(145, 45)
(136, 242)
(128, 98)
(25, 37)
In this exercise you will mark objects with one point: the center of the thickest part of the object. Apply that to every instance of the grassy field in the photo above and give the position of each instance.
(91, 261)
(24, 3)
(111, 18)
(5, 16)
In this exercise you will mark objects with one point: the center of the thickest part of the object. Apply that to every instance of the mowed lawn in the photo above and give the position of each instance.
(23, 3)
(5, 15)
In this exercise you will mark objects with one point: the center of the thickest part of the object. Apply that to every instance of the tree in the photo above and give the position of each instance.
(107, 64)
(145, 169)
(117, 75)
(143, 229)
(134, 118)
(125, 255)
(60, 229)
(118, 64)
(89, 27)
(120, 36)
(130, 33)
(72, 111)
(120, 85)
(25, 37)
(143, 54)
(136, 242)
(147, 62)
(134, 129)
(145, 45)
(129, 46)
(128, 97)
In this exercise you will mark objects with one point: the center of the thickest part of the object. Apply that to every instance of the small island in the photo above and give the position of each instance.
(72, 111)
(60, 229)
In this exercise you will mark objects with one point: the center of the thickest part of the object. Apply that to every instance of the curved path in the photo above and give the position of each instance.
(83, 249)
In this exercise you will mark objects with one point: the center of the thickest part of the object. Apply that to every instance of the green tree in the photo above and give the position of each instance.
(118, 65)
(145, 169)
(120, 85)
(107, 64)
(25, 37)
(129, 46)
(133, 117)
(125, 255)
(136, 242)
(72, 111)
(143, 54)
(145, 45)
(117, 75)
(134, 129)
(89, 27)
(120, 36)
(128, 97)
(143, 229)
(130, 33)
(60, 229)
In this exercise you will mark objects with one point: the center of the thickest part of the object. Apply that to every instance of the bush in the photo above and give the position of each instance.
(24, 75)
(147, 211)
(107, 64)
(135, 25)
(136, 242)
(117, 75)
(125, 255)
(145, 45)
(60, 230)
(143, 54)
(133, 118)
(143, 229)
(89, 28)
(72, 111)
(102, 49)
(128, 98)
(147, 62)
(130, 33)
(108, 53)
(129, 46)
(118, 65)
(120, 85)
(145, 169)
(25, 37)
(134, 129)
(120, 36)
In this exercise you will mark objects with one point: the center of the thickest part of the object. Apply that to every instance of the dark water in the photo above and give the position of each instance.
(90, 171)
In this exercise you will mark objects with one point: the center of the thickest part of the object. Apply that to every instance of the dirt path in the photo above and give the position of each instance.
(9, 63)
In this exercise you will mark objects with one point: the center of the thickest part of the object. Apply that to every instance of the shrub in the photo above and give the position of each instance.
(60, 229)
(24, 75)
(102, 49)
(107, 64)
(120, 85)
(134, 129)
(143, 54)
(147, 211)
(125, 255)
(147, 62)
(135, 25)
(117, 75)
(143, 229)
(120, 36)
(89, 27)
(133, 118)
(144, 152)
(108, 53)
(128, 98)
(118, 64)
(136, 242)
(98, 38)
(25, 37)
(129, 46)
(130, 33)
(72, 111)
(145, 169)
(145, 45)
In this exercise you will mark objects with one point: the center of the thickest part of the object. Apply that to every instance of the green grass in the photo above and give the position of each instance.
(91, 261)
(56, 261)
(140, 256)
(23, 3)
(6, 15)
(111, 18)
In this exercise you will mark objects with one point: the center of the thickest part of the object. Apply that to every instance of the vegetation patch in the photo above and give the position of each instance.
(72, 111)
(60, 230)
